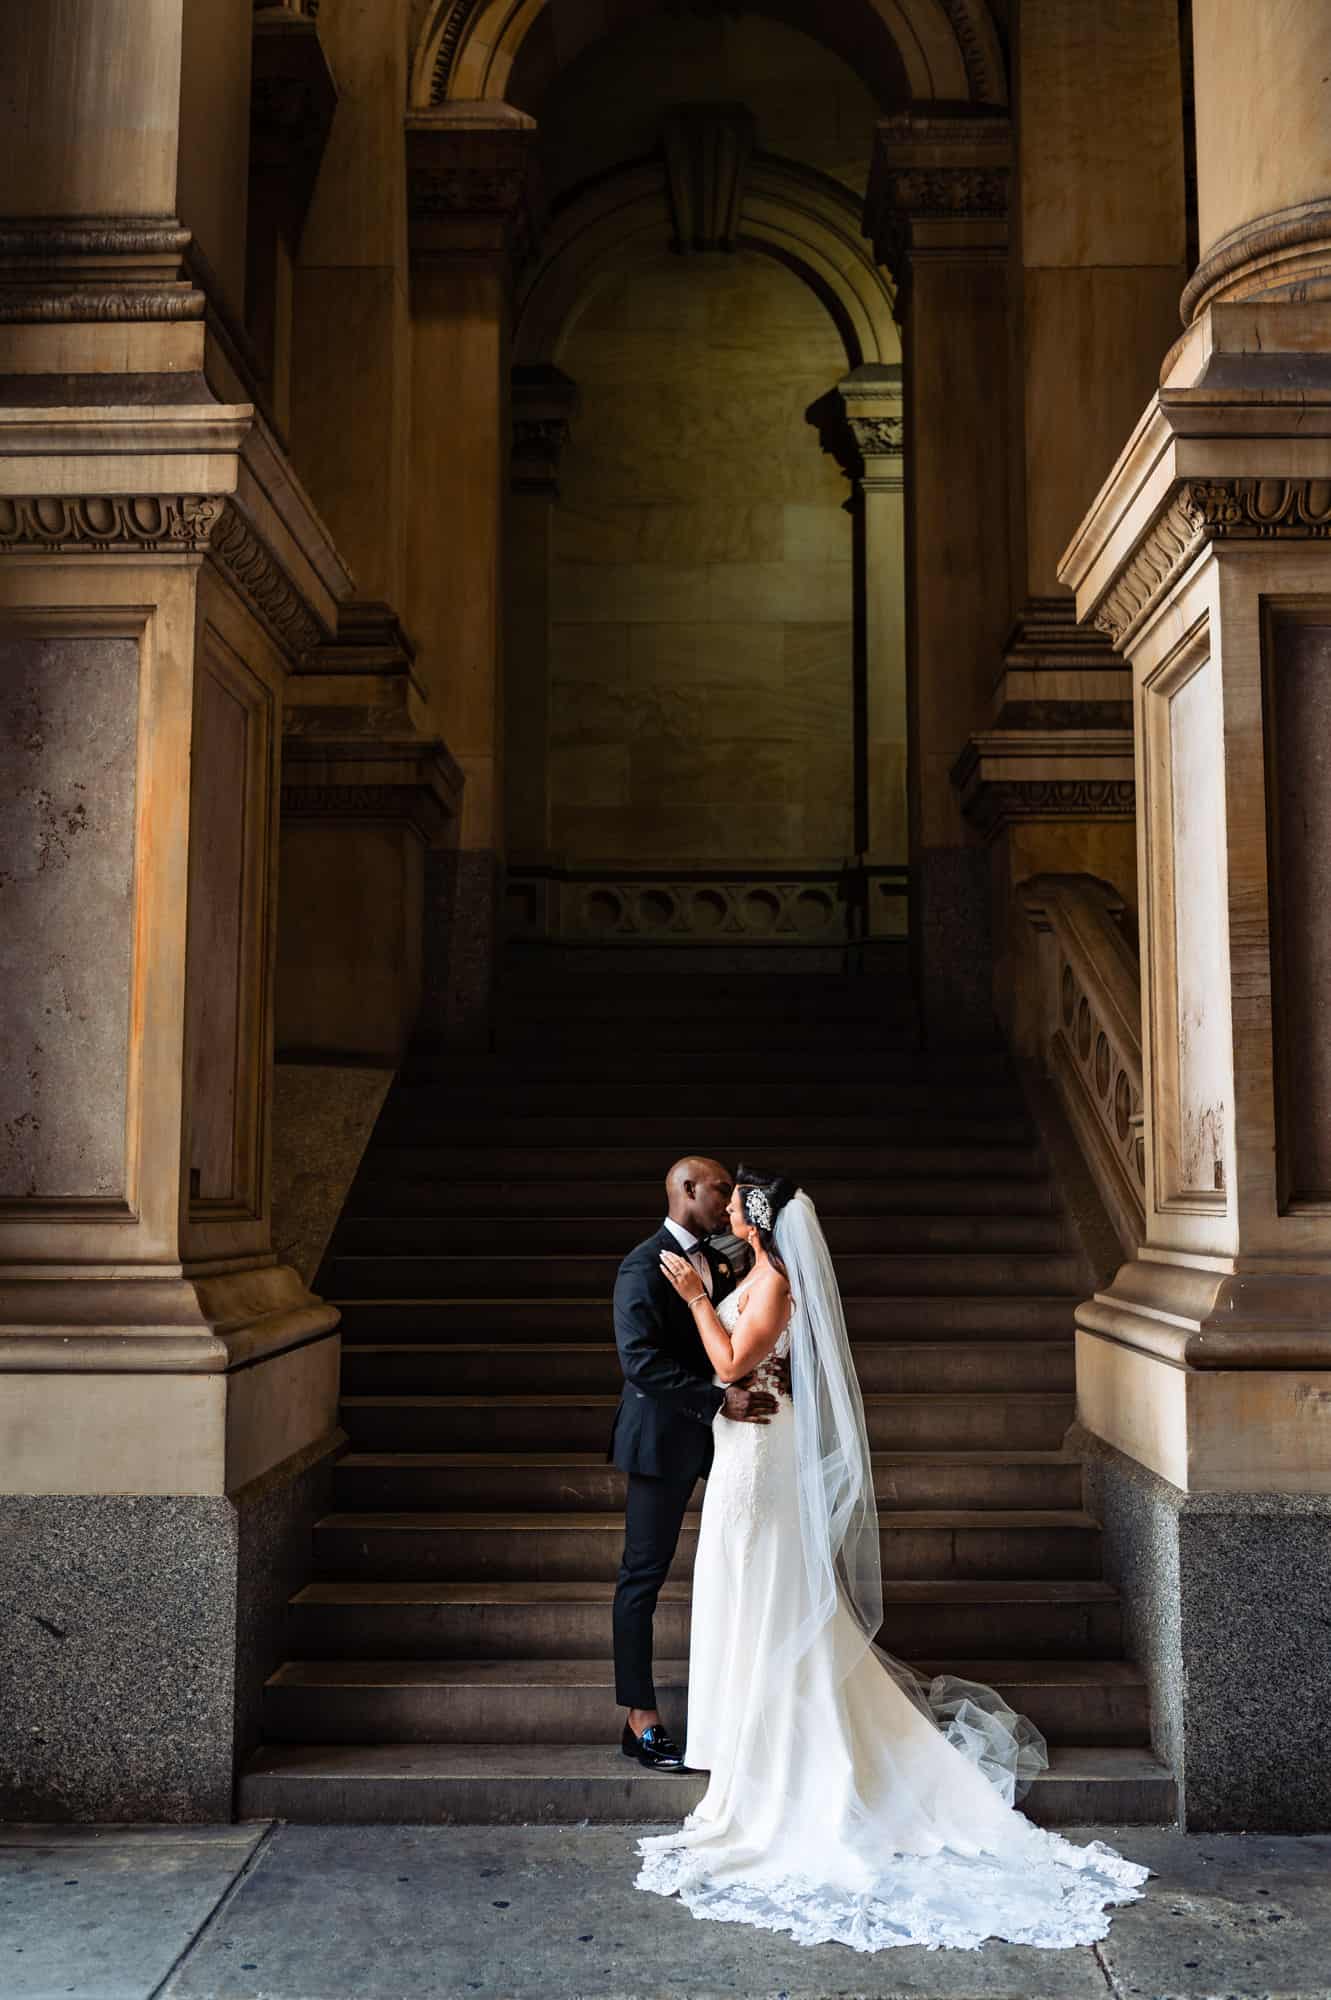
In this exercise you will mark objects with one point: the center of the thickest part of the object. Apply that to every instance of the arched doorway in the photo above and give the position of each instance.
(705, 699)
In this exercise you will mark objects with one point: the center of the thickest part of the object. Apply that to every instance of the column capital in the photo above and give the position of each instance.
(544, 401)
(938, 187)
(472, 190)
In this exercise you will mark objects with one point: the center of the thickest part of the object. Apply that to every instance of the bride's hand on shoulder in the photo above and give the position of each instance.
(680, 1273)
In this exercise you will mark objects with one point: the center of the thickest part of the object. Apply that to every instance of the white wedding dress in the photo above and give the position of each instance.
(838, 1809)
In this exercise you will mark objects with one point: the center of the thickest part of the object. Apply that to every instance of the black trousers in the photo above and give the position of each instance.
(653, 1513)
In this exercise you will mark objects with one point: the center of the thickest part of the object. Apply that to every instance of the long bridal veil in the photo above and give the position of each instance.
(838, 1522)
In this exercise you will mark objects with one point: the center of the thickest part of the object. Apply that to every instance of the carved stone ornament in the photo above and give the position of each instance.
(103, 269)
(948, 192)
(1059, 798)
(165, 524)
(122, 524)
(707, 149)
(1202, 511)
(456, 20)
(434, 191)
(878, 437)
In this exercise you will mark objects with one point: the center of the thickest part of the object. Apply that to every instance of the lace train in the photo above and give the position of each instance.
(1054, 1896)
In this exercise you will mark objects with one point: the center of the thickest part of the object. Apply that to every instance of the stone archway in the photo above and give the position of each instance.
(798, 222)
(949, 50)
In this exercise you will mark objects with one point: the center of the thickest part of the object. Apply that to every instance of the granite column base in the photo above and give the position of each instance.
(138, 1633)
(1225, 1601)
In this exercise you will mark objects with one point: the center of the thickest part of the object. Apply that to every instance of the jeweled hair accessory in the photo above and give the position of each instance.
(758, 1208)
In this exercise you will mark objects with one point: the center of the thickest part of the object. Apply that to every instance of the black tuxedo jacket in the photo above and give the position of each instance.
(663, 1426)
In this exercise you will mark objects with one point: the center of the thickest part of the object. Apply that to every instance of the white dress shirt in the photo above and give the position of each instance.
(693, 1250)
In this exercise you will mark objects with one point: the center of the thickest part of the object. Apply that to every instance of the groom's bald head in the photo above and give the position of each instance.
(698, 1193)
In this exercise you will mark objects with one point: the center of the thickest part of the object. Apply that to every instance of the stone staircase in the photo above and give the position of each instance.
(450, 1659)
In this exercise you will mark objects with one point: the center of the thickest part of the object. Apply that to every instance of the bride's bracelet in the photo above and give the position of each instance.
(701, 1300)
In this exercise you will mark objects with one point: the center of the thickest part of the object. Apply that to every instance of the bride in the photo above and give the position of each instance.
(848, 1802)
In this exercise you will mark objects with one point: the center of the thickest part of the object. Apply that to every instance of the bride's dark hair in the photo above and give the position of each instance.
(778, 1189)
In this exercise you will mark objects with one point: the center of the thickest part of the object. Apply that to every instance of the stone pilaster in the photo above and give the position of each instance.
(937, 215)
(367, 795)
(1207, 560)
(544, 402)
(1047, 777)
(170, 1388)
(871, 398)
(472, 209)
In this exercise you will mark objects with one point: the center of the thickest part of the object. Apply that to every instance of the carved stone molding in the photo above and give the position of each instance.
(121, 524)
(544, 401)
(655, 908)
(455, 24)
(472, 188)
(1202, 511)
(1058, 675)
(937, 185)
(1285, 255)
(878, 437)
(165, 524)
(81, 269)
(413, 782)
(979, 51)
(261, 580)
(1063, 798)
(461, 190)
(1004, 775)
(707, 150)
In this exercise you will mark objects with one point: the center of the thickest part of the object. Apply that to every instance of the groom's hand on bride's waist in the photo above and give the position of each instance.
(748, 1406)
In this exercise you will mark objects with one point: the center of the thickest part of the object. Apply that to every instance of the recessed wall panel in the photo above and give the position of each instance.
(68, 731)
(1297, 674)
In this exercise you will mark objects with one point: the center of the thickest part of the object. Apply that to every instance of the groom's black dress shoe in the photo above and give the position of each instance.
(656, 1748)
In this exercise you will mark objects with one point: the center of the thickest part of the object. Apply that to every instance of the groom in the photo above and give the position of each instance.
(662, 1437)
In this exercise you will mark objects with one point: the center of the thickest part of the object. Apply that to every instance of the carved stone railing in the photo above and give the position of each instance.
(681, 906)
(1090, 1001)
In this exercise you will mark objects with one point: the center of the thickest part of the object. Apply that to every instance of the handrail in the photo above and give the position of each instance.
(1090, 1031)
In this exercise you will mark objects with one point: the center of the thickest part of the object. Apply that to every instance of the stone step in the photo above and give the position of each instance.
(441, 1161)
(499, 1320)
(567, 1783)
(631, 1097)
(1006, 1422)
(573, 1701)
(420, 1368)
(543, 994)
(609, 1058)
(589, 1234)
(585, 1276)
(548, 1201)
(572, 1548)
(555, 1482)
(1021, 1619)
(720, 1131)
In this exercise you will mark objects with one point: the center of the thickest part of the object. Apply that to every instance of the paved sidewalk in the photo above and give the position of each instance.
(382, 1913)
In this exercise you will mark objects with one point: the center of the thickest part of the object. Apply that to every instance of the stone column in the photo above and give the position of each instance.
(1204, 1370)
(470, 205)
(871, 397)
(937, 214)
(1098, 259)
(544, 400)
(170, 1389)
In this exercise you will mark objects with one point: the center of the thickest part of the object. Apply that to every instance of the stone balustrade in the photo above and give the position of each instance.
(1090, 996)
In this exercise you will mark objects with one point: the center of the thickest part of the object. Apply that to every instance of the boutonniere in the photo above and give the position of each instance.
(725, 1270)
